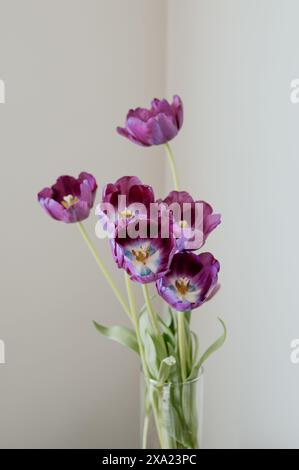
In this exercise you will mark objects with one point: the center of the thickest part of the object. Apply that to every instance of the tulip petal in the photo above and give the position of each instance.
(53, 208)
(156, 125)
(69, 199)
(125, 133)
(190, 280)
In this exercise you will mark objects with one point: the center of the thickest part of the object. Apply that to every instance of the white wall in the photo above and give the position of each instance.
(72, 69)
(232, 61)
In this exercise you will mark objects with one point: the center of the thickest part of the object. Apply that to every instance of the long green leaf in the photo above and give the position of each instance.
(168, 317)
(121, 334)
(195, 346)
(151, 354)
(214, 347)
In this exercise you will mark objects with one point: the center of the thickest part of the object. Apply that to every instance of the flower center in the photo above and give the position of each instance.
(69, 201)
(182, 285)
(183, 223)
(126, 214)
(142, 254)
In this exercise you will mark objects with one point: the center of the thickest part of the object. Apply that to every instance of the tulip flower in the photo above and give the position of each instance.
(154, 126)
(190, 280)
(69, 199)
(193, 220)
(153, 242)
(123, 200)
(147, 256)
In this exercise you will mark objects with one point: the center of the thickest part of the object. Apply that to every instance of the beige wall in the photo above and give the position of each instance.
(233, 62)
(72, 68)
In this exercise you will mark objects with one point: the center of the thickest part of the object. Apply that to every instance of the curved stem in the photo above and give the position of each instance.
(135, 320)
(150, 310)
(182, 345)
(173, 168)
(103, 268)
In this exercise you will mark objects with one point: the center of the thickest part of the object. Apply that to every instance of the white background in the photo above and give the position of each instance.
(72, 68)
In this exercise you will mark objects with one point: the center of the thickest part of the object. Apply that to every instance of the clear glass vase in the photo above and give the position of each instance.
(172, 414)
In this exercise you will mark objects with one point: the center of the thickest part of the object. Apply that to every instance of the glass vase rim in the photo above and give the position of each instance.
(155, 382)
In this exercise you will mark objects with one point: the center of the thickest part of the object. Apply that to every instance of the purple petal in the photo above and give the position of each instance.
(45, 193)
(155, 134)
(125, 183)
(167, 126)
(210, 223)
(139, 130)
(125, 133)
(180, 197)
(161, 251)
(77, 213)
(156, 125)
(199, 272)
(161, 106)
(83, 190)
(140, 113)
(53, 208)
(90, 179)
(142, 194)
(177, 106)
(64, 186)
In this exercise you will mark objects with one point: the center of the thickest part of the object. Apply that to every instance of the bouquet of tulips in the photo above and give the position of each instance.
(155, 241)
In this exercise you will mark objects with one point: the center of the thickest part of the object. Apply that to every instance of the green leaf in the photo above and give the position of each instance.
(174, 324)
(189, 345)
(121, 334)
(195, 346)
(165, 368)
(168, 317)
(161, 350)
(166, 332)
(146, 329)
(150, 354)
(214, 347)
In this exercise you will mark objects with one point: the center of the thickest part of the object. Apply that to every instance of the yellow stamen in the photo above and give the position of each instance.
(142, 254)
(182, 285)
(126, 214)
(69, 201)
(183, 223)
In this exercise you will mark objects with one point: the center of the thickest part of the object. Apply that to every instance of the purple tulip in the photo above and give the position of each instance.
(122, 200)
(146, 257)
(193, 220)
(69, 199)
(190, 281)
(156, 125)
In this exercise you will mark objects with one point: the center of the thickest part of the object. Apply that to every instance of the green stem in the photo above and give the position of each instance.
(103, 268)
(135, 320)
(157, 419)
(173, 168)
(150, 310)
(182, 345)
(145, 430)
